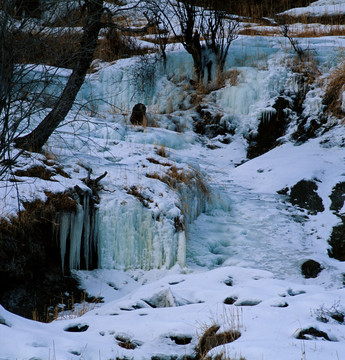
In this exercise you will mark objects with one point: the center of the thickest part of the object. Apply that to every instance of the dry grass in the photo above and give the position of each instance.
(136, 192)
(37, 212)
(115, 45)
(175, 177)
(54, 50)
(210, 337)
(161, 151)
(304, 19)
(179, 179)
(157, 162)
(67, 308)
(259, 31)
(254, 8)
(306, 31)
(334, 91)
(42, 172)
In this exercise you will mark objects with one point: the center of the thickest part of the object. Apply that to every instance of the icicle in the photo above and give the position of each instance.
(64, 226)
(268, 114)
(181, 251)
(86, 231)
(75, 238)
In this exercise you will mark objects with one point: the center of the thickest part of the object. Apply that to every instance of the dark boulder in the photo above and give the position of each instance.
(337, 242)
(338, 197)
(138, 116)
(312, 334)
(304, 195)
(311, 269)
(272, 125)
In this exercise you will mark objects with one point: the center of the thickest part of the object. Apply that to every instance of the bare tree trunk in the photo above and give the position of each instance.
(35, 140)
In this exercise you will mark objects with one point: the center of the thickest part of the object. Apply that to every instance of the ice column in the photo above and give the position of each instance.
(77, 235)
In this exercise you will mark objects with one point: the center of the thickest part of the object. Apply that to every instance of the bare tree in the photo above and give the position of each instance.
(94, 16)
(219, 31)
(39, 136)
(294, 43)
(22, 85)
(201, 30)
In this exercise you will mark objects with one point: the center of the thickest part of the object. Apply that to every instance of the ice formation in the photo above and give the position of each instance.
(77, 235)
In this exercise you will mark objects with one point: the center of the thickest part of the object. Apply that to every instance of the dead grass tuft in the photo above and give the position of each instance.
(116, 45)
(55, 50)
(161, 151)
(209, 337)
(157, 162)
(134, 191)
(37, 171)
(66, 308)
(42, 172)
(177, 178)
(325, 19)
(37, 212)
(334, 91)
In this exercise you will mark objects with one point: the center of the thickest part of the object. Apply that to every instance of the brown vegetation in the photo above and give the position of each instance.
(134, 191)
(254, 8)
(304, 19)
(42, 172)
(115, 45)
(334, 91)
(211, 339)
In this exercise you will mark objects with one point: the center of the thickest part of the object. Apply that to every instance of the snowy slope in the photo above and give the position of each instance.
(246, 244)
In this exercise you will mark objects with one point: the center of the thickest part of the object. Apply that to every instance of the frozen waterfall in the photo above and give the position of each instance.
(77, 234)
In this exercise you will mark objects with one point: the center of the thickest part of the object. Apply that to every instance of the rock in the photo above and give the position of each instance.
(305, 196)
(337, 197)
(337, 242)
(312, 334)
(230, 300)
(273, 122)
(311, 269)
(163, 299)
(77, 328)
(138, 116)
(210, 123)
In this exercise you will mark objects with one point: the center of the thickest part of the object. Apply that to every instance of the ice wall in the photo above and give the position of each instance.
(77, 234)
(130, 236)
(133, 236)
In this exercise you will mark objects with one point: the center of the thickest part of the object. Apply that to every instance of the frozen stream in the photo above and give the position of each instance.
(258, 231)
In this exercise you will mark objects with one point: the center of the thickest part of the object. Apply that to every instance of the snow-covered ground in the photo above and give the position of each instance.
(319, 8)
(244, 244)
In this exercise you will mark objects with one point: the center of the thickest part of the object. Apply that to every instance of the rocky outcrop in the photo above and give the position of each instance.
(272, 125)
(337, 238)
(337, 241)
(210, 123)
(304, 194)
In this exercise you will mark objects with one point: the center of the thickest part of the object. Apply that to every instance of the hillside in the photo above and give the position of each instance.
(214, 229)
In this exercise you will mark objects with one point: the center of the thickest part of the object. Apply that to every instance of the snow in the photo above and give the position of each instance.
(245, 242)
(318, 8)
